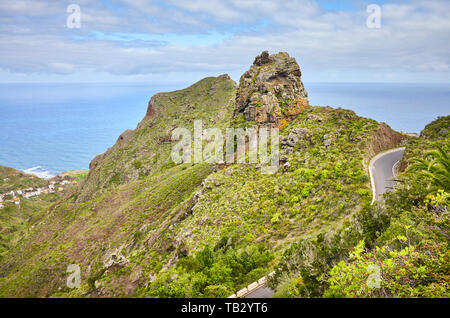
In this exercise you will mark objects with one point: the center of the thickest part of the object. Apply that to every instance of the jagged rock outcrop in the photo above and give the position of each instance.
(271, 91)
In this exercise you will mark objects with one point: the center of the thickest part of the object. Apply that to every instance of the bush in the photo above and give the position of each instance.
(409, 272)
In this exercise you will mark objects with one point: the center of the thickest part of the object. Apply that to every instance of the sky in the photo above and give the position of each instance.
(181, 41)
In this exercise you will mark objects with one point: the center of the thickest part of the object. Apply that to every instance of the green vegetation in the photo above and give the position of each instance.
(437, 129)
(12, 179)
(217, 272)
(12, 227)
(398, 248)
(146, 150)
(400, 273)
(240, 222)
(14, 224)
(77, 175)
(435, 168)
(140, 226)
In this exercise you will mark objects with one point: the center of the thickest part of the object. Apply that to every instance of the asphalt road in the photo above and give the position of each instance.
(382, 170)
(261, 292)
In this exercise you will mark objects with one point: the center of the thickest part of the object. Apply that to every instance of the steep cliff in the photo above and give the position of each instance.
(142, 226)
(140, 153)
(271, 91)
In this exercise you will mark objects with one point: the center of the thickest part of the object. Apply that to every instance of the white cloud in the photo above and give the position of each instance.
(412, 42)
(26, 7)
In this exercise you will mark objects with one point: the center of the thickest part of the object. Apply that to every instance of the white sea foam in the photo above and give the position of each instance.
(39, 172)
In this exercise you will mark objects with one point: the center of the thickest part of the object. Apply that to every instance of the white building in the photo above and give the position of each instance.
(30, 194)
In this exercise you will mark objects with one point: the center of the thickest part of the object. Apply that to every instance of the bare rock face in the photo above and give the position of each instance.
(384, 138)
(271, 91)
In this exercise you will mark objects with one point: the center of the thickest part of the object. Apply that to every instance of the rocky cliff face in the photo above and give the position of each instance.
(145, 151)
(137, 213)
(383, 138)
(271, 91)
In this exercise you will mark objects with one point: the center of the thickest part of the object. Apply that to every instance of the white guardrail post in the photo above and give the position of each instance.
(252, 287)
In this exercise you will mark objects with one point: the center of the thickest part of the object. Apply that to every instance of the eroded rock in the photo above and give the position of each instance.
(271, 90)
(295, 136)
(327, 140)
(115, 259)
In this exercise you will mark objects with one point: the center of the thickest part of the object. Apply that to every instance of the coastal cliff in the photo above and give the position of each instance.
(140, 225)
(144, 151)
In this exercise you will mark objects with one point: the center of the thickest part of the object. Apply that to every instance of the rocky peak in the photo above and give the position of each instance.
(264, 58)
(271, 91)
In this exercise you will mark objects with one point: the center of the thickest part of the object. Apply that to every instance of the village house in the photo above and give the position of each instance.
(31, 194)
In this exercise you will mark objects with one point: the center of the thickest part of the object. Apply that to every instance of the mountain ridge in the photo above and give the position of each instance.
(139, 225)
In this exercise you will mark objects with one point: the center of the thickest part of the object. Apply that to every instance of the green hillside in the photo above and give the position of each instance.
(14, 223)
(12, 179)
(242, 221)
(139, 225)
(405, 236)
(144, 151)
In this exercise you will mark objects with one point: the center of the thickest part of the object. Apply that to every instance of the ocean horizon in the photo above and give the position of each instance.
(47, 129)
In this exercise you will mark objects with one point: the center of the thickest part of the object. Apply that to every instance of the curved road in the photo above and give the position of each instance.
(381, 169)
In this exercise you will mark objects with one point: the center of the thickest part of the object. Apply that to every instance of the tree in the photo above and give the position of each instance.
(434, 169)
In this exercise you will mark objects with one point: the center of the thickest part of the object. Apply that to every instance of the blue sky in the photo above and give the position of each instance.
(180, 41)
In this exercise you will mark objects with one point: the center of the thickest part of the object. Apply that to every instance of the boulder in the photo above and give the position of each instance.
(313, 117)
(327, 140)
(271, 91)
(295, 136)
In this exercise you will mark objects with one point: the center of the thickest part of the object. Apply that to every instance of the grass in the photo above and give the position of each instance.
(200, 230)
